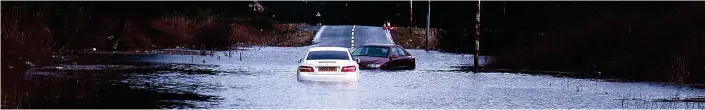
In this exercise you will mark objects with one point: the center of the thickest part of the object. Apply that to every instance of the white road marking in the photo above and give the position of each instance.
(389, 36)
(352, 37)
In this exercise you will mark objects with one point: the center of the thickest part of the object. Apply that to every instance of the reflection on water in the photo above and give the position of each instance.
(88, 87)
(343, 85)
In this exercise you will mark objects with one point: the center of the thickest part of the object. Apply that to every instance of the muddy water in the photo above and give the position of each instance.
(264, 77)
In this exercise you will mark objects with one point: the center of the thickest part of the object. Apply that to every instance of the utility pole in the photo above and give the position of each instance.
(477, 39)
(428, 23)
(411, 13)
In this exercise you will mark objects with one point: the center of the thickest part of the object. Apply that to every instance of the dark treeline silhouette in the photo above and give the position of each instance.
(74, 23)
(514, 23)
(444, 14)
(653, 41)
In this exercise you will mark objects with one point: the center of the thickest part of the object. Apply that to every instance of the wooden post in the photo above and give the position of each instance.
(428, 23)
(477, 39)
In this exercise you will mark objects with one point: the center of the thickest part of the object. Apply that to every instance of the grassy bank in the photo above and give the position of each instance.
(415, 38)
(33, 32)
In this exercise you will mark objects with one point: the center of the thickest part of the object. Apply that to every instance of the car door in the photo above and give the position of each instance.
(393, 62)
(411, 58)
(404, 58)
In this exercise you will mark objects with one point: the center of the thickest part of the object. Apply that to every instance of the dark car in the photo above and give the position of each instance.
(384, 56)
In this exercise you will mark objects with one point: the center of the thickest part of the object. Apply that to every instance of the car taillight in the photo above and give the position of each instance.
(305, 69)
(349, 68)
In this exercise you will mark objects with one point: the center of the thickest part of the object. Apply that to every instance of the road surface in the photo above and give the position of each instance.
(351, 36)
(265, 77)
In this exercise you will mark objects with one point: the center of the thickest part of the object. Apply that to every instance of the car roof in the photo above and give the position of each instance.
(380, 44)
(328, 49)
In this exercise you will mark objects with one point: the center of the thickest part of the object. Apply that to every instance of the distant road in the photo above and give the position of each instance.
(350, 35)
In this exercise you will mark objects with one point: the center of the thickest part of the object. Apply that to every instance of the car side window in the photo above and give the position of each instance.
(400, 51)
(405, 52)
(363, 51)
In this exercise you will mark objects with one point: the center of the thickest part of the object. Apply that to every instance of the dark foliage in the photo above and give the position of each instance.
(655, 41)
(216, 37)
(456, 40)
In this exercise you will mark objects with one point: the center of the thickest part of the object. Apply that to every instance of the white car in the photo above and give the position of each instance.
(328, 64)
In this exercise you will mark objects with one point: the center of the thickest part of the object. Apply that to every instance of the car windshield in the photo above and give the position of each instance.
(327, 55)
(373, 51)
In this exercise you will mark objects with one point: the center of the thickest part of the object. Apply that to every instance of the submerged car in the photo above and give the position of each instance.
(328, 64)
(384, 56)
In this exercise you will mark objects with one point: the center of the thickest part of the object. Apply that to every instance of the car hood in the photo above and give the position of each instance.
(371, 60)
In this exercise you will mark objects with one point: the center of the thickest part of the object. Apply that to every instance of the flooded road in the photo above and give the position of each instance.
(265, 77)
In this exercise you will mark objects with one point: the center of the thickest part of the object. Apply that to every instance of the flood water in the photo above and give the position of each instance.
(265, 77)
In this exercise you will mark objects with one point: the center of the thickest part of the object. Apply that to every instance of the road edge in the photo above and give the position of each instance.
(389, 36)
(318, 35)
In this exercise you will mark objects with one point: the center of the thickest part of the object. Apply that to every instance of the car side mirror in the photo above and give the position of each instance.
(394, 56)
(357, 60)
(300, 60)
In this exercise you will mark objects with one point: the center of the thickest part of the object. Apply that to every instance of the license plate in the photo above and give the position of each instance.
(327, 69)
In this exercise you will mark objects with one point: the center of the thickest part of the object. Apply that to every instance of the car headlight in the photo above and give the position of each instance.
(373, 65)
